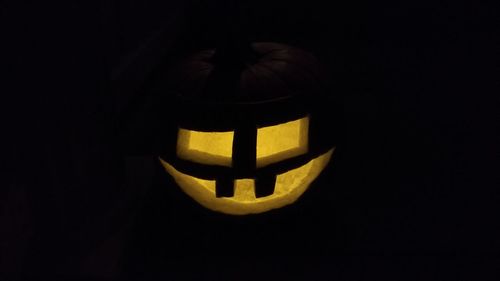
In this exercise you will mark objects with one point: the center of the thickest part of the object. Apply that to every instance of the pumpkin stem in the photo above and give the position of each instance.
(233, 47)
(233, 53)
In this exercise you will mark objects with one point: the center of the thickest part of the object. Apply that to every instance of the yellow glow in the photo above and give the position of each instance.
(283, 141)
(289, 187)
(244, 190)
(213, 148)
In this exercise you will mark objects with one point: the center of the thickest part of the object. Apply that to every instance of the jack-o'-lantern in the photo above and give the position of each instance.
(248, 135)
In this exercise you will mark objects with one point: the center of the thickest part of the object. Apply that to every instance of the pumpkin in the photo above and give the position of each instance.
(248, 134)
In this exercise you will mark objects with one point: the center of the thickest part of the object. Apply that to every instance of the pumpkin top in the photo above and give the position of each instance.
(257, 72)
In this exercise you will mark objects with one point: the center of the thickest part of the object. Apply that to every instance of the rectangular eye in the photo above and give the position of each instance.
(282, 141)
(212, 148)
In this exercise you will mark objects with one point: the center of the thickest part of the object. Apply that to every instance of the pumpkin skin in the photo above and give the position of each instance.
(271, 71)
(248, 128)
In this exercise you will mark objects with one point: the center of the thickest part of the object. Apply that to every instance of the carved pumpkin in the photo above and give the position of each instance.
(248, 135)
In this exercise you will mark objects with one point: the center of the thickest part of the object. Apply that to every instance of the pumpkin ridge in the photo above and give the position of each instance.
(273, 72)
(311, 79)
(312, 73)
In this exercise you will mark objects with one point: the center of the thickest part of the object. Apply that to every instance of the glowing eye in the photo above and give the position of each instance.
(282, 141)
(212, 148)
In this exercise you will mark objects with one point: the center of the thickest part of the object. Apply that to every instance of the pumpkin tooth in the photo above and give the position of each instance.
(224, 188)
(264, 185)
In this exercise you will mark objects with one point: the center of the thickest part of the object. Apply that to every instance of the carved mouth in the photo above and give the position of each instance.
(289, 186)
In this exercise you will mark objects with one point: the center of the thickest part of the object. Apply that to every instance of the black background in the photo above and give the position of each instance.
(410, 193)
